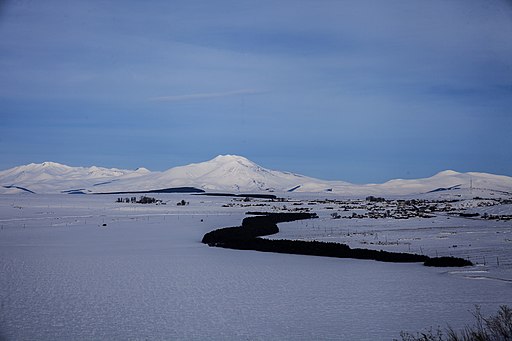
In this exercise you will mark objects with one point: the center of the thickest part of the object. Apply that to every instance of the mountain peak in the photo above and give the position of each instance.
(50, 164)
(233, 159)
(46, 166)
(229, 157)
(447, 173)
(142, 170)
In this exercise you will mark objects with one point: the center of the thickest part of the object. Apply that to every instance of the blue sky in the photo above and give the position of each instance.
(361, 91)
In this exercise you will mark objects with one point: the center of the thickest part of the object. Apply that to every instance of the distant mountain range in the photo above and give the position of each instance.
(227, 173)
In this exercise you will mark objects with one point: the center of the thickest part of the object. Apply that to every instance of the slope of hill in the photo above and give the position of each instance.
(52, 177)
(229, 173)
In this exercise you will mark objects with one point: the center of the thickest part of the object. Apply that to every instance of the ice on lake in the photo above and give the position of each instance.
(145, 275)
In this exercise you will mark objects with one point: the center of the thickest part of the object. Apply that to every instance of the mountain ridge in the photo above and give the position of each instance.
(225, 173)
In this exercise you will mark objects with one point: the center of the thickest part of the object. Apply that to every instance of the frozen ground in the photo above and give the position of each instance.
(147, 276)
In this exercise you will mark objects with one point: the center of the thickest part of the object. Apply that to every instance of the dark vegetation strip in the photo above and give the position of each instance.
(20, 188)
(162, 190)
(246, 195)
(245, 237)
(74, 191)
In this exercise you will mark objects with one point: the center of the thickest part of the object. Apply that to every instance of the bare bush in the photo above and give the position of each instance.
(497, 327)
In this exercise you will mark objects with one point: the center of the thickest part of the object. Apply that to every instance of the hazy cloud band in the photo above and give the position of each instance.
(208, 95)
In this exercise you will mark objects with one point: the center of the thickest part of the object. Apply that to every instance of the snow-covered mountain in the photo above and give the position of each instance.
(52, 177)
(227, 173)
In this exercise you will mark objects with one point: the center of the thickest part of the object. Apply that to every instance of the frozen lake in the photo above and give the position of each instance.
(147, 276)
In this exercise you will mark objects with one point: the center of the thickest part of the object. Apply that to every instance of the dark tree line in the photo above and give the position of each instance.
(245, 237)
(143, 200)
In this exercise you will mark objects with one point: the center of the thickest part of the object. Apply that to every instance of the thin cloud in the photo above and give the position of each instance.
(207, 95)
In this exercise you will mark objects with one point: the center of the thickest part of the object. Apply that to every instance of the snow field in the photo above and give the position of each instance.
(147, 276)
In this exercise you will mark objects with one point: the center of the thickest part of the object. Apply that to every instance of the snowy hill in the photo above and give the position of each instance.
(52, 177)
(230, 173)
(223, 173)
(447, 183)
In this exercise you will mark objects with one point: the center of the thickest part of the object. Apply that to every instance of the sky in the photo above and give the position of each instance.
(360, 91)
